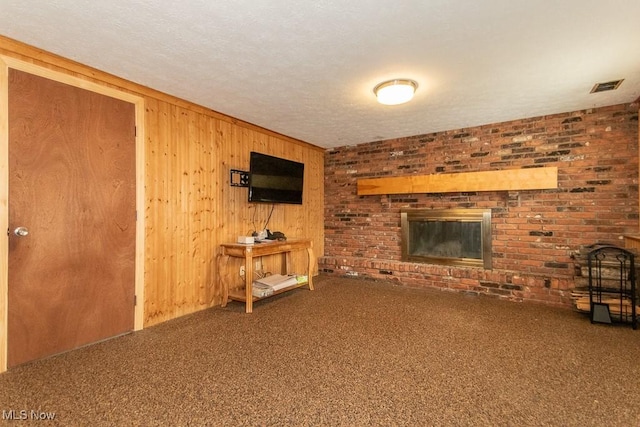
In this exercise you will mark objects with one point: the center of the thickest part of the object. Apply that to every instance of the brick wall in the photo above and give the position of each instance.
(534, 233)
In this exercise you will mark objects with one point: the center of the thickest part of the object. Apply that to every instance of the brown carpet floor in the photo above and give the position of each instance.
(352, 353)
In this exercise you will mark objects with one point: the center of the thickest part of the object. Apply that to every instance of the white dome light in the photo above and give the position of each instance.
(394, 92)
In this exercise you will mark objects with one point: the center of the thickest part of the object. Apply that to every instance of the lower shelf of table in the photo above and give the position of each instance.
(240, 294)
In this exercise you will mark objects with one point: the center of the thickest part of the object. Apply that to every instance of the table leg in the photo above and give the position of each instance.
(223, 260)
(287, 263)
(310, 266)
(248, 280)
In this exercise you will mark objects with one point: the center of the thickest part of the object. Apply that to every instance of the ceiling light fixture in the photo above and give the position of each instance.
(394, 92)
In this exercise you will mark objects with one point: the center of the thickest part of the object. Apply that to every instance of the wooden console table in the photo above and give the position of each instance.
(248, 252)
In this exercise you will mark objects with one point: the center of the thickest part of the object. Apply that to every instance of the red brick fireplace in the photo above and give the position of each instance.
(534, 233)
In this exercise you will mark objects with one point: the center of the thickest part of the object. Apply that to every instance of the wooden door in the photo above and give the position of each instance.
(72, 186)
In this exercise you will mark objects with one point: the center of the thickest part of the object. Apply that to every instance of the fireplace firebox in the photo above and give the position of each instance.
(457, 237)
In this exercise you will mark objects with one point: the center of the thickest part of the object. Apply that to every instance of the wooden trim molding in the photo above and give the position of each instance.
(4, 211)
(503, 180)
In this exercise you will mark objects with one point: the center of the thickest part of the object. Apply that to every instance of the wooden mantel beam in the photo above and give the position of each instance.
(503, 180)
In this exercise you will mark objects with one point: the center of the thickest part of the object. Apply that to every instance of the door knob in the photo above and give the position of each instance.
(21, 231)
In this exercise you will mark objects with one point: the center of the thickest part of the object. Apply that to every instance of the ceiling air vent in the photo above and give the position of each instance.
(603, 87)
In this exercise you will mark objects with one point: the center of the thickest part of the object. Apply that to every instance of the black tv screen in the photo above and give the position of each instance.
(275, 180)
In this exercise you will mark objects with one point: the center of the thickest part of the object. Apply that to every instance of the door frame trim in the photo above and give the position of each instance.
(6, 63)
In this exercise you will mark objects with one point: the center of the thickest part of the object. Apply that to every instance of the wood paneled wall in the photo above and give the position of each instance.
(190, 208)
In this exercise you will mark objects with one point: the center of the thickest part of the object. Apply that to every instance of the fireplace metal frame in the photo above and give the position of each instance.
(466, 215)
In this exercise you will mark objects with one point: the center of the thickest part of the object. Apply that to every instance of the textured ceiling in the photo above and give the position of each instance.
(306, 69)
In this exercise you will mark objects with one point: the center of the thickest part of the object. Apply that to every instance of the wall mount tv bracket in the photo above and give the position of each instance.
(238, 178)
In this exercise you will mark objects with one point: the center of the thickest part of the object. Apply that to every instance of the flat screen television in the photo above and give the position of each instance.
(275, 180)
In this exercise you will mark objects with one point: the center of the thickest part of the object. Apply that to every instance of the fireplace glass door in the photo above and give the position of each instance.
(451, 237)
